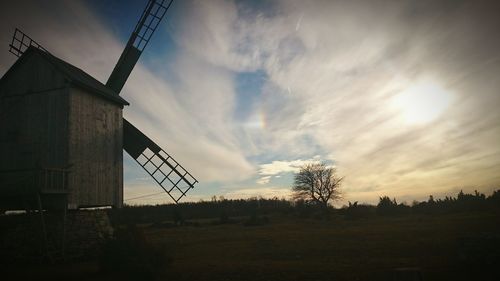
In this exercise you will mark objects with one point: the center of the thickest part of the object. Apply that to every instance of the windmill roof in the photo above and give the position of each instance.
(77, 76)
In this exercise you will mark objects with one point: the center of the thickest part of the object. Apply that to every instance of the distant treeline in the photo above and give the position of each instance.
(218, 208)
(464, 202)
(222, 210)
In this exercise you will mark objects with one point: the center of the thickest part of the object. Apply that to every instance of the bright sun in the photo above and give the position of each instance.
(423, 102)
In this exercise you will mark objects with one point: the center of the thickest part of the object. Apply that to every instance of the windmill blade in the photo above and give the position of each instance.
(151, 17)
(167, 172)
(21, 42)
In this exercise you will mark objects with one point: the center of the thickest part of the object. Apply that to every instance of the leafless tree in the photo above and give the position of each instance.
(317, 182)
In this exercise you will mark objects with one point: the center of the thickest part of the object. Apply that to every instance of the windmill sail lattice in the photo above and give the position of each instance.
(167, 172)
(21, 42)
(146, 26)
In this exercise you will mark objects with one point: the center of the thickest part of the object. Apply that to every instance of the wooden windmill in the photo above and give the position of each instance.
(62, 132)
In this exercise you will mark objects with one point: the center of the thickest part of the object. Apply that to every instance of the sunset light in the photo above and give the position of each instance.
(423, 102)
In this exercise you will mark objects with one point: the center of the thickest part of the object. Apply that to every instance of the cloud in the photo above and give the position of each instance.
(266, 192)
(279, 167)
(190, 126)
(334, 81)
(264, 180)
(333, 69)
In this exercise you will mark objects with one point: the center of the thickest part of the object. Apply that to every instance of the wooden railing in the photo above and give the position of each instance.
(43, 180)
(53, 180)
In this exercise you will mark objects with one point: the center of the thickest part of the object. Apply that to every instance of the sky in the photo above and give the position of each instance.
(402, 97)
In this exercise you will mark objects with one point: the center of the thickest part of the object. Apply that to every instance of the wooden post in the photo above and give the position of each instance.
(63, 238)
(44, 230)
(407, 274)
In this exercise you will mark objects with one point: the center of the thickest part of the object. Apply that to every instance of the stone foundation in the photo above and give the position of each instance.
(22, 236)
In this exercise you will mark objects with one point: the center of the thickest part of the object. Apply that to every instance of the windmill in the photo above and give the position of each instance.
(62, 132)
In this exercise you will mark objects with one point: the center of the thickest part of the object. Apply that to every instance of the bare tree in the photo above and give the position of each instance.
(317, 182)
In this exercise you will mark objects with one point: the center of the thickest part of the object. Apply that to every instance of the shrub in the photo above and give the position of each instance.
(355, 211)
(129, 254)
(255, 220)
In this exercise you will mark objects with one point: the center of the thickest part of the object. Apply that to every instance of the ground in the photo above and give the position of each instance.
(443, 247)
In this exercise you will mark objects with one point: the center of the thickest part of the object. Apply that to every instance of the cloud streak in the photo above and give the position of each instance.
(333, 71)
(336, 77)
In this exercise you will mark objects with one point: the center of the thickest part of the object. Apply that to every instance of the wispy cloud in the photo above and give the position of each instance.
(264, 180)
(278, 167)
(266, 192)
(333, 71)
(336, 77)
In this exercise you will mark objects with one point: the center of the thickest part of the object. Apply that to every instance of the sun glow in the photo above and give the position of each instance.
(423, 102)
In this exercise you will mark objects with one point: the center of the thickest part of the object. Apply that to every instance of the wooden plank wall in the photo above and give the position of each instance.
(95, 150)
(33, 119)
(44, 121)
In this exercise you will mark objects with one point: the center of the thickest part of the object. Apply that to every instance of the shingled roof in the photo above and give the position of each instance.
(75, 76)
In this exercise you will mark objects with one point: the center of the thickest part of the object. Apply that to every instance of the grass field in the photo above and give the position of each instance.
(444, 247)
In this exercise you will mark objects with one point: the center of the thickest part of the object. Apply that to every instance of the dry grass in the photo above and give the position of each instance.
(289, 249)
(445, 247)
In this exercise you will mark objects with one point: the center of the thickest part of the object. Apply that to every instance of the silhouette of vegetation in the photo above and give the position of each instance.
(130, 255)
(224, 218)
(317, 183)
(177, 217)
(464, 202)
(358, 211)
(227, 211)
(451, 238)
(386, 206)
(255, 219)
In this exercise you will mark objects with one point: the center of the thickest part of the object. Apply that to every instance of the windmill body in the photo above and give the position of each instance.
(61, 136)
(62, 132)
